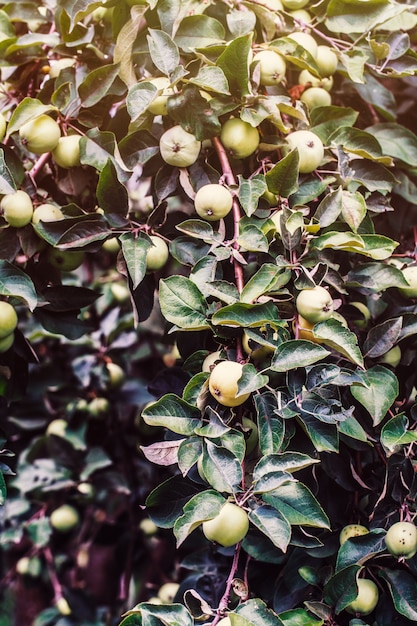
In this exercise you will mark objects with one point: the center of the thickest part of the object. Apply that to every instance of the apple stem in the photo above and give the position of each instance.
(56, 585)
(38, 166)
(223, 604)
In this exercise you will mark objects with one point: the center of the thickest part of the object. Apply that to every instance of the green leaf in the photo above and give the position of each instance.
(359, 142)
(342, 588)
(134, 252)
(163, 50)
(74, 232)
(222, 468)
(382, 337)
(194, 113)
(234, 62)
(97, 84)
(271, 427)
(299, 617)
(396, 141)
(247, 315)
(7, 183)
(344, 16)
(165, 503)
(333, 334)
(157, 615)
(380, 391)
(125, 42)
(298, 505)
(403, 588)
(139, 97)
(358, 550)
(283, 462)
(182, 303)
(211, 78)
(269, 278)
(201, 507)
(173, 413)
(199, 31)
(376, 277)
(251, 238)
(297, 353)
(395, 434)
(324, 437)
(257, 613)
(28, 109)
(251, 380)
(112, 196)
(250, 191)
(329, 208)
(14, 282)
(272, 524)
(282, 179)
(353, 209)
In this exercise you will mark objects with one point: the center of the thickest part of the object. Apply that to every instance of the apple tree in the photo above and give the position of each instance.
(208, 314)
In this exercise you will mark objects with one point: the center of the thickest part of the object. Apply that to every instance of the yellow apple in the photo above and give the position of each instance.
(223, 383)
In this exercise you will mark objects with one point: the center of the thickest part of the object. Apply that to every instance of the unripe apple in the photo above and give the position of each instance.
(239, 138)
(3, 126)
(167, 592)
(213, 202)
(229, 527)
(58, 65)
(116, 375)
(157, 255)
(273, 5)
(111, 245)
(367, 598)
(326, 60)
(304, 330)
(148, 527)
(64, 518)
(66, 153)
(86, 490)
(366, 314)
(57, 427)
(210, 361)
(29, 566)
(120, 292)
(352, 530)
(63, 606)
(17, 208)
(316, 97)
(305, 40)
(65, 260)
(159, 106)
(314, 305)
(301, 15)
(401, 540)
(41, 134)
(410, 275)
(251, 434)
(98, 407)
(295, 4)
(310, 149)
(307, 78)
(8, 319)
(223, 383)
(6, 343)
(47, 213)
(272, 67)
(178, 147)
(392, 357)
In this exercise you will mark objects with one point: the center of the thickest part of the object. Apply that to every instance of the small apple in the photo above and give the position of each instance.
(401, 540)
(212, 202)
(6, 343)
(111, 245)
(304, 40)
(392, 357)
(8, 319)
(225, 621)
(47, 213)
(29, 566)
(352, 530)
(120, 292)
(56, 66)
(159, 106)
(223, 383)
(65, 260)
(157, 255)
(239, 138)
(410, 275)
(367, 598)
(116, 375)
(316, 97)
(310, 149)
(98, 408)
(229, 527)
(251, 434)
(148, 527)
(41, 134)
(17, 208)
(3, 126)
(210, 361)
(304, 330)
(167, 592)
(273, 5)
(272, 67)
(307, 78)
(86, 490)
(63, 606)
(178, 147)
(315, 304)
(366, 314)
(64, 518)
(295, 4)
(301, 15)
(326, 60)
(58, 428)
(66, 153)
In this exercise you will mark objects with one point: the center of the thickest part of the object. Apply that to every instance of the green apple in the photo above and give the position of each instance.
(295, 4)
(65, 260)
(47, 212)
(63, 606)
(307, 78)
(272, 67)
(301, 15)
(3, 126)
(251, 434)
(120, 292)
(98, 407)
(392, 357)
(29, 566)
(116, 375)
(178, 147)
(401, 540)
(367, 598)
(66, 153)
(58, 65)
(365, 312)
(17, 208)
(159, 106)
(57, 427)
(304, 330)
(315, 304)
(229, 527)
(210, 361)
(41, 134)
(410, 275)
(212, 202)
(225, 621)
(111, 245)
(352, 530)
(8, 319)
(310, 149)
(223, 383)
(64, 518)
(304, 40)
(6, 343)
(86, 490)
(157, 255)
(316, 97)
(326, 60)
(273, 5)
(239, 138)
(167, 592)
(148, 527)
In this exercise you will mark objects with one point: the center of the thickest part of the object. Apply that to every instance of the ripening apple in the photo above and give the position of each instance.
(315, 304)
(410, 275)
(304, 40)
(401, 540)
(223, 383)
(251, 434)
(304, 330)
(228, 527)
(157, 255)
(272, 67)
(366, 314)
(210, 361)
(111, 245)
(116, 375)
(316, 97)
(159, 106)
(8, 319)
(167, 592)
(239, 138)
(178, 147)
(391, 357)
(66, 153)
(3, 126)
(47, 212)
(326, 60)
(29, 566)
(213, 202)
(64, 518)
(6, 343)
(17, 208)
(307, 78)
(63, 606)
(41, 134)
(225, 621)
(310, 149)
(352, 530)
(65, 260)
(367, 598)
(98, 408)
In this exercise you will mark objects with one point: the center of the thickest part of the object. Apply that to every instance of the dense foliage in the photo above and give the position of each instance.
(207, 232)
